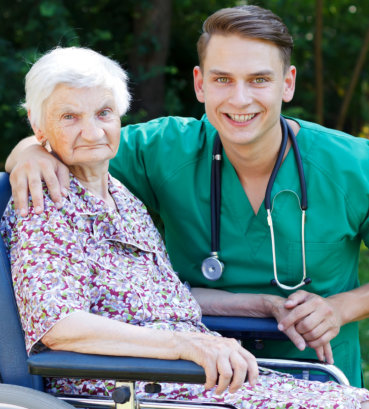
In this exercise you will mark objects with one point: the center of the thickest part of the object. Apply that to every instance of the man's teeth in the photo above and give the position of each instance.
(241, 117)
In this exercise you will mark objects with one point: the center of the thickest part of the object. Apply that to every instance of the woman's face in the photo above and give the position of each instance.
(82, 125)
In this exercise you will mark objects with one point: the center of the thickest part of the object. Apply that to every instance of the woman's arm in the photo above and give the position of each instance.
(28, 164)
(225, 362)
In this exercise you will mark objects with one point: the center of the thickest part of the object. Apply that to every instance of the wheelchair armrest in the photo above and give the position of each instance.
(75, 365)
(244, 327)
(331, 371)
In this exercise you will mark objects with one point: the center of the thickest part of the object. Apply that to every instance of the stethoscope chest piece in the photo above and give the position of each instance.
(212, 268)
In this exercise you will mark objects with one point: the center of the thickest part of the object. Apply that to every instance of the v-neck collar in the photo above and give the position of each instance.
(238, 207)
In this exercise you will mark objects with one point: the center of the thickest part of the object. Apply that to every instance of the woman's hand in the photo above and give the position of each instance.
(29, 164)
(225, 361)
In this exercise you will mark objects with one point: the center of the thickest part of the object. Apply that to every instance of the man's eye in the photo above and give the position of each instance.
(223, 80)
(259, 80)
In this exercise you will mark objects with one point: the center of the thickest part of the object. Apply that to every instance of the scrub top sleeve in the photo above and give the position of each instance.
(49, 270)
(364, 231)
(134, 160)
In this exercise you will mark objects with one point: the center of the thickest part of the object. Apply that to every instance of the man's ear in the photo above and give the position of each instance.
(289, 84)
(37, 131)
(198, 82)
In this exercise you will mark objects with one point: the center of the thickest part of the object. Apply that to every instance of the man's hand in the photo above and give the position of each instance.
(315, 318)
(282, 314)
(34, 164)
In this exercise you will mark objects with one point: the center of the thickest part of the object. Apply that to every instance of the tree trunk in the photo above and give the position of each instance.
(354, 79)
(149, 56)
(319, 80)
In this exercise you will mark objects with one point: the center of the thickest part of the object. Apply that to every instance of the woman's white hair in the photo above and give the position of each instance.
(78, 67)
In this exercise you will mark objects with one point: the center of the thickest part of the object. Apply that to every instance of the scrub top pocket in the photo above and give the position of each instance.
(324, 265)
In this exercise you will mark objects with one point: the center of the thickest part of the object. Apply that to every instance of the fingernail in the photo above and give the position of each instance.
(58, 205)
(280, 327)
(64, 192)
(23, 212)
(301, 346)
(38, 209)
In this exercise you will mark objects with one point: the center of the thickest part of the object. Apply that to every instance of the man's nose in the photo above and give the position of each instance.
(240, 95)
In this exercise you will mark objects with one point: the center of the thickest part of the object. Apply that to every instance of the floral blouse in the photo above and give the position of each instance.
(89, 257)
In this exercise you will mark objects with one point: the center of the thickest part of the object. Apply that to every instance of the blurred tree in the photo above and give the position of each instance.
(156, 41)
(354, 79)
(148, 57)
(319, 80)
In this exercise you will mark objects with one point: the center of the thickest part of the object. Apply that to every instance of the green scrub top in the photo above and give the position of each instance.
(166, 163)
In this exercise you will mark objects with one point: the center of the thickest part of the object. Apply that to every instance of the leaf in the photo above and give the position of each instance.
(48, 9)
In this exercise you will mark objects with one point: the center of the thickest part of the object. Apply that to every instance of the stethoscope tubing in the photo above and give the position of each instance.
(216, 194)
(212, 267)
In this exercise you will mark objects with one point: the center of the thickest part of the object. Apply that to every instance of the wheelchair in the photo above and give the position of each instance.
(22, 377)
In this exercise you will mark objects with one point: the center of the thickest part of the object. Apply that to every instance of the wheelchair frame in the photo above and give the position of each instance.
(17, 369)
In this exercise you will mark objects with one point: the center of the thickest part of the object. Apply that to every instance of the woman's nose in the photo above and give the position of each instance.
(91, 129)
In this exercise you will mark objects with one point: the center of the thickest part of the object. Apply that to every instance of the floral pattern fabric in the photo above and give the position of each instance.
(89, 257)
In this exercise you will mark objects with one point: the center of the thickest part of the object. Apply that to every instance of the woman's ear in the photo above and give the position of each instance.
(37, 131)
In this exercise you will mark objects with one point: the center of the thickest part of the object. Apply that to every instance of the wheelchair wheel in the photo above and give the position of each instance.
(19, 397)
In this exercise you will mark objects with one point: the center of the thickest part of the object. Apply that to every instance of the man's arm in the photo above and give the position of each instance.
(28, 164)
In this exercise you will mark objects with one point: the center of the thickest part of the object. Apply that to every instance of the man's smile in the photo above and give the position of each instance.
(241, 117)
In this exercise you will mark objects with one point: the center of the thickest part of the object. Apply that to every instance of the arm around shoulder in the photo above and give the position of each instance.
(28, 164)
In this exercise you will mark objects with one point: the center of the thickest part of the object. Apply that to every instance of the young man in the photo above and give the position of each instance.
(243, 77)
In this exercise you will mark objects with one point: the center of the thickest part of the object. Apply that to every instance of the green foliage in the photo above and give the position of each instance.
(29, 28)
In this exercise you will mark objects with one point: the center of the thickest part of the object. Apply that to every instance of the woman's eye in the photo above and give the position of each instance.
(68, 116)
(104, 112)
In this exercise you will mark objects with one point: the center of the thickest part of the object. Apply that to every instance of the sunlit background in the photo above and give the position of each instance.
(155, 41)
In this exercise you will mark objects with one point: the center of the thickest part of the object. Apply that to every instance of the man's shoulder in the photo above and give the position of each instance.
(319, 140)
(339, 158)
(174, 140)
(168, 127)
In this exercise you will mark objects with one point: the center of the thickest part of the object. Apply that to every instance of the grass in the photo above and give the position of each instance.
(364, 324)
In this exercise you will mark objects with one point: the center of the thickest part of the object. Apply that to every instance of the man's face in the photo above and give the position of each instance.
(242, 84)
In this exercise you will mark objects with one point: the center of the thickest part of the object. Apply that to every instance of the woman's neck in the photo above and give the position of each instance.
(96, 181)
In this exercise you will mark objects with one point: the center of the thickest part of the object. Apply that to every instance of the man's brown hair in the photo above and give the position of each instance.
(249, 22)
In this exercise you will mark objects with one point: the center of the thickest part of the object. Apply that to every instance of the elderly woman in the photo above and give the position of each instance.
(94, 277)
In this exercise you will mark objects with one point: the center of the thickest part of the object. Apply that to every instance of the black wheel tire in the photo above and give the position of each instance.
(20, 397)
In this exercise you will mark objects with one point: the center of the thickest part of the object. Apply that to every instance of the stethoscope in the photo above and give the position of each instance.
(212, 268)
